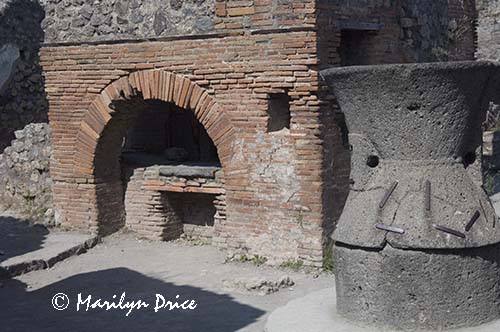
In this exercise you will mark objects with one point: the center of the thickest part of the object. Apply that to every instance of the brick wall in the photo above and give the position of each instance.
(273, 180)
(399, 31)
(283, 190)
(267, 14)
(162, 207)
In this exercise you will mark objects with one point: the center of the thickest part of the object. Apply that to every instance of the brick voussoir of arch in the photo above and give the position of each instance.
(151, 84)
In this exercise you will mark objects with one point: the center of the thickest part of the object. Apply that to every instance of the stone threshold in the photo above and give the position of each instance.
(57, 247)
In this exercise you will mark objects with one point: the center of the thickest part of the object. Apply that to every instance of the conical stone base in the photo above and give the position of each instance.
(418, 290)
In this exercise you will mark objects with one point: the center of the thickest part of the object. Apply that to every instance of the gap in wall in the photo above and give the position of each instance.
(355, 47)
(278, 112)
(169, 134)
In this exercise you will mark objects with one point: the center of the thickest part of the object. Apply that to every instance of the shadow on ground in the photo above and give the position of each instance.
(18, 237)
(21, 310)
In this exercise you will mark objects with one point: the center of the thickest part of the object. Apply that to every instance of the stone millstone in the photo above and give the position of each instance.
(417, 245)
(420, 122)
(411, 289)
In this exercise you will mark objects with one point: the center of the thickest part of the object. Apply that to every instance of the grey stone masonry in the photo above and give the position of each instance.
(25, 183)
(87, 20)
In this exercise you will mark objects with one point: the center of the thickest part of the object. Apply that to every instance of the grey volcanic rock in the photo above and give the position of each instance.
(256, 285)
(417, 245)
(22, 98)
(9, 54)
(488, 38)
(424, 290)
(76, 21)
(421, 122)
(415, 98)
(189, 171)
(25, 184)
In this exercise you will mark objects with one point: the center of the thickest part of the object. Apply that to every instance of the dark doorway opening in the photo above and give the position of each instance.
(355, 47)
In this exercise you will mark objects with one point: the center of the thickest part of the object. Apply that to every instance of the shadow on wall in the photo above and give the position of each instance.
(336, 172)
(23, 101)
(214, 312)
(111, 188)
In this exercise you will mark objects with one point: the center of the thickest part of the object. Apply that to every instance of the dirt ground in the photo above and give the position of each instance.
(142, 269)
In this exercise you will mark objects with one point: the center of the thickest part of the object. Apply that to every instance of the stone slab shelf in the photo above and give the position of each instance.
(213, 191)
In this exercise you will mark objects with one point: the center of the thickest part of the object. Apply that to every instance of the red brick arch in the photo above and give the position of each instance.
(151, 84)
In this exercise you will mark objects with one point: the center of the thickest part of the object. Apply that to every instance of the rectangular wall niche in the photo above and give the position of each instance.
(171, 132)
(195, 211)
(162, 207)
(193, 208)
(356, 47)
(278, 112)
(172, 175)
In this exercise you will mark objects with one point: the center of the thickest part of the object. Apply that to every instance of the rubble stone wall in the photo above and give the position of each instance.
(488, 48)
(22, 101)
(80, 20)
(488, 30)
(398, 31)
(25, 184)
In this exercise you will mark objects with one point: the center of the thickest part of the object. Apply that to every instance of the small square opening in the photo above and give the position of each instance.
(355, 47)
(279, 112)
(193, 208)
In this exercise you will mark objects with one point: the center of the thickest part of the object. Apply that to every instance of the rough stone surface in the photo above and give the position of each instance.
(435, 118)
(377, 32)
(189, 171)
(488, 30)
(26, 247)
(255, 285)
(406, 289)
(413, 175)
(22, 100)
(25, 184)
(72, 21)
(432, 30)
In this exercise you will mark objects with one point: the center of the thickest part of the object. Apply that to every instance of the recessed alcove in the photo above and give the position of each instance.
(171, 173)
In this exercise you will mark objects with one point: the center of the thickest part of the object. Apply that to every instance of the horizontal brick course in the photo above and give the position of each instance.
(226, 83)
(282, 191)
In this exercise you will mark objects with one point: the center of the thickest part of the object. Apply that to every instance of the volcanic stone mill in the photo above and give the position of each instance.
(417, 245)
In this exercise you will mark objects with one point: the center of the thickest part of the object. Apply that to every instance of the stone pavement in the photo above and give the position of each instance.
(316, 312)
(25, 247)
(121, 263)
